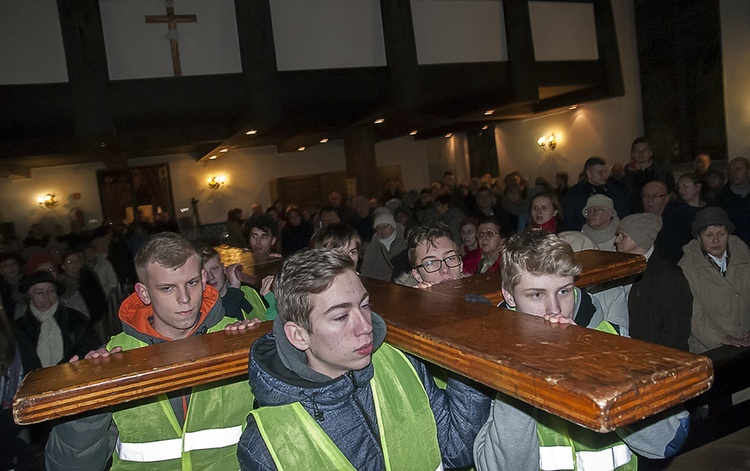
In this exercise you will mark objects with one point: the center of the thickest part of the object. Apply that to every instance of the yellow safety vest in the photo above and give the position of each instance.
(150, 436)
(566, 446)
(408, 432)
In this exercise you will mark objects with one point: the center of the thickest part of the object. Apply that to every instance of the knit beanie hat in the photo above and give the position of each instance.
(600, 201)
(384, 218)
(642, 228)
(711, 216)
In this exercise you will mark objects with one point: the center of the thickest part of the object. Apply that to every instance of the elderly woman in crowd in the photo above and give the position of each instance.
(717, 266)
(601, 221)
(50, 333)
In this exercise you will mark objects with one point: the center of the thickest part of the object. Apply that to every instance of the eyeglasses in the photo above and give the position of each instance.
(593, 210)
(484, 234)
(431, 266)
(653, 197)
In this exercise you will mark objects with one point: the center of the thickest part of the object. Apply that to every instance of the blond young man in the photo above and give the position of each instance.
(197, 428)
(538, 276)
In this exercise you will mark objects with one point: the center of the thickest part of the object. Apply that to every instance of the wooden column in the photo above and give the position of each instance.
(258, 56)
(86, 59)
(609, 52)
(401, 53)
(520, 46)
(359, 147)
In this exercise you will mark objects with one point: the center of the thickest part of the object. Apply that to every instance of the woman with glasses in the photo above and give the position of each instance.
(491, 241)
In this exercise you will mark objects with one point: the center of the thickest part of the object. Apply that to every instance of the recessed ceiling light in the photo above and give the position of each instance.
(573, 107)
(413, 133)
(380, 121)
(484, 128)
(226, 149)
(489, 112)
(324, 140)
(251, 132)
(301, 148)
(213, 157)
(450, 134)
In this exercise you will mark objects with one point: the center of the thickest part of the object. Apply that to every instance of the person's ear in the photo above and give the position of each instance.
(273, 241)
(508, 298)
(142, 293)
(297, 336)
(415, 274)
(204, 276)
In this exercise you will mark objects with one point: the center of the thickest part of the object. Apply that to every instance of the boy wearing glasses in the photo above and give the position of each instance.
(433, 255)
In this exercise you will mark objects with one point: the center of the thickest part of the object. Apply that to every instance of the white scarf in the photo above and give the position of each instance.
(388, 241)
(49, 346)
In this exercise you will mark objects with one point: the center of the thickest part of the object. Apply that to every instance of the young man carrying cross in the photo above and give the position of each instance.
(195, 428)
(538, 272)
(333, 395)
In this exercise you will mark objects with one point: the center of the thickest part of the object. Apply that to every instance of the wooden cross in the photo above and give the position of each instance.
(171, 19)
(597, 380)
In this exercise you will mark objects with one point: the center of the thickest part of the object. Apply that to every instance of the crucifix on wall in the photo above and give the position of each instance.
(171, 19)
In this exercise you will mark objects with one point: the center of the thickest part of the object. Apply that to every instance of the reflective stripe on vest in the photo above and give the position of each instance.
(604, 460)
(556, 457)
(553, 458)
(149, 431)
(163, 450)
(408, 432)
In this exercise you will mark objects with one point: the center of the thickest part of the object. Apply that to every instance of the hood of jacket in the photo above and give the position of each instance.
(137, 317)
(279, 373)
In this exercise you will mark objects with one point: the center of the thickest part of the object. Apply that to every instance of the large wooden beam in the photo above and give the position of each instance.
(556, 368)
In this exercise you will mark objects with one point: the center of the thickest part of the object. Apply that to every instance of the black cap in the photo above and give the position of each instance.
(39, 277)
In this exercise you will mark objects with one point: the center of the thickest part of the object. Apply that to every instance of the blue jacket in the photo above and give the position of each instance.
(344, 406)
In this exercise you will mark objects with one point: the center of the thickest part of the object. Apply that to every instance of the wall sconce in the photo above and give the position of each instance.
(547, 142)
(216, 182)
(47, 201)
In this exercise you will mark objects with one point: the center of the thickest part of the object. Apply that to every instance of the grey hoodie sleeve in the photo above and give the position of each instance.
(508, 440)
(659, 436)
(459, 410)
(84, 443)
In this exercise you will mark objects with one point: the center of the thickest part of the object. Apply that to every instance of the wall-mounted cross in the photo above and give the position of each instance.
(171, 19)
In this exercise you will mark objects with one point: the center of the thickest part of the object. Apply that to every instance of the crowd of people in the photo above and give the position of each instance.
(325, 390)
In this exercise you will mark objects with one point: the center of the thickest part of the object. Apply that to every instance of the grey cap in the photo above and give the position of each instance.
(711, 216)
(642, 228)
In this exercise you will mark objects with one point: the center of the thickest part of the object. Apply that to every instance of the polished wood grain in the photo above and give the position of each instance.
(597, 380)
(72, 388)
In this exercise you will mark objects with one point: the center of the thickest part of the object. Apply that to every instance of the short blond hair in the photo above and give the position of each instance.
(167, 249)
(539, 253)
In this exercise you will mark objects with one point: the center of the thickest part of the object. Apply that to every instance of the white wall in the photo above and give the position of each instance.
(605, 128)
(31, 47)
(248, 172)
(735, 38)
(19, 197)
